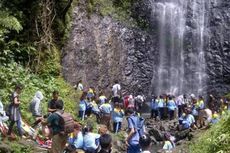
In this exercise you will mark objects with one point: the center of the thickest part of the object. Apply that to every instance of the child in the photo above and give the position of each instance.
(154, 108)
(90, 139)
(117, 115)
(75, 140)
(168, 143)
(145, 143)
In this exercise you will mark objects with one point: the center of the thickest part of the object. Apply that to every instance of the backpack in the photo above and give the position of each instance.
(67, 122)
(138, 125)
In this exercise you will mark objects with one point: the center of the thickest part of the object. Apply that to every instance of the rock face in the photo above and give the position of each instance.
(101, 50)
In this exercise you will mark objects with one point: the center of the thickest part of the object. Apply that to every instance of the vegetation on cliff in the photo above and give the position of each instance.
(125, 11)
(214, 140)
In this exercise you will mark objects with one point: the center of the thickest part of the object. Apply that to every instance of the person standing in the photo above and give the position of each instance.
(52, 103)
(82, 106)
(106, 111)
(117, 115)
(14, 110)
(171, 107)
(154, 108)
(59, 139)
(80, 86)
(116, 90)
(132, 141)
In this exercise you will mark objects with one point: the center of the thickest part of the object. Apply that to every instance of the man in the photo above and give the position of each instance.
(52, 104)
(106, 110)
(105, 143)
(53, 121)
(132, 141)
(116, 90)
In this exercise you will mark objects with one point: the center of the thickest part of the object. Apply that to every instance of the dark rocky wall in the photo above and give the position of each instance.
(101, 50)
(218, 53)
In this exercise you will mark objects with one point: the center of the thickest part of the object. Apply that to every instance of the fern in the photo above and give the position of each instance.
(9, 22)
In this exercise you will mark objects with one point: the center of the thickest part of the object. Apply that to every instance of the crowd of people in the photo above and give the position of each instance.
(191, 112)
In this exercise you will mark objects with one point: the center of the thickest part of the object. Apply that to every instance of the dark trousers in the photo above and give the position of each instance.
(154, 113)
(81, 115)
(161, 112)
(116, 127)
(180, 110)
(18, 126)
(171, 114)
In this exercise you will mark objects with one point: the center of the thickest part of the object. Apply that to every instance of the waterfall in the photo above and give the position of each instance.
(181, 68)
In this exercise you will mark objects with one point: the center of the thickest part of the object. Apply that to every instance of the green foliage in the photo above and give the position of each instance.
(12, 74)
(21, 148)
(215, 140)
(8, 22)
(120, 10)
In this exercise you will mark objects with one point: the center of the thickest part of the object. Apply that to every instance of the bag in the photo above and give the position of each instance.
(139, 125)
(8, 109)
(67, 122)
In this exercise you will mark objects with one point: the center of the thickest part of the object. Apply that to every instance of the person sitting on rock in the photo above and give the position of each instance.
(169, 144)
(215, 118)
(183, 123)
(145, 143)
(91, 140)
(75, 140)
(190, 118)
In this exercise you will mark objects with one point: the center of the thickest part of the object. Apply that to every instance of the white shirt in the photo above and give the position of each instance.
(115, 89)
(146, 151)
(80, 87)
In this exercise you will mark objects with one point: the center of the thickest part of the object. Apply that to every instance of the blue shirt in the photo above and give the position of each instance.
(190, 118)
(82, 105)
(171, 105)
(90, 141)
(154, 105)
(77, 141)
(134, 140)
(117, 115)
(168, 145)
(106, 108)
(160, 103)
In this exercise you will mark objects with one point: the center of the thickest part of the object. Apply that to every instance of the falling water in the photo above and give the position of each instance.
(181, 69)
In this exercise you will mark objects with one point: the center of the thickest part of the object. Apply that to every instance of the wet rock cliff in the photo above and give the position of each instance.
(102, 49)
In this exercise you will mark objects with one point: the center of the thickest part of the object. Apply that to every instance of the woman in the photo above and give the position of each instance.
(15, 114)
